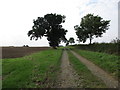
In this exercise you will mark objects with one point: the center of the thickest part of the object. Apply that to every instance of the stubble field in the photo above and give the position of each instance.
(14, 52)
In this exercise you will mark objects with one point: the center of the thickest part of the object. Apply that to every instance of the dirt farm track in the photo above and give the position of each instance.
(14, 52)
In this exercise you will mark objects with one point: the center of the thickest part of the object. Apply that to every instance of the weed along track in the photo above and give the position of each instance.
(68, 77)
(108, 80)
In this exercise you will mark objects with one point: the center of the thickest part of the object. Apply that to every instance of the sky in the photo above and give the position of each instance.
(16, 18)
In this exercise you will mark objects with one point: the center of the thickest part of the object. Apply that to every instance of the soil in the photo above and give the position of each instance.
(68, 78)
(108, 80)
(14, 52)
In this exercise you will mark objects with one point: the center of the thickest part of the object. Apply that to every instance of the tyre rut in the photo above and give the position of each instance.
(68, 77)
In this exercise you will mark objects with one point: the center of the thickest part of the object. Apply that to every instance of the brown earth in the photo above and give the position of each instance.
(14, 52)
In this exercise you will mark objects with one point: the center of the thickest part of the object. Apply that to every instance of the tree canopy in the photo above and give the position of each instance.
(91, 26)
(50, 27)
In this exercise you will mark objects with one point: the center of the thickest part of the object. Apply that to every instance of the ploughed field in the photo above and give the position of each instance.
(14, 52)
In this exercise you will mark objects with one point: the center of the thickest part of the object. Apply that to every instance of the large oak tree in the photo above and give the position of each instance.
(50, 27)
(91, 26)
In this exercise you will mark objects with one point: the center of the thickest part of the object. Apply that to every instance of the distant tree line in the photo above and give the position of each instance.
(25, 46)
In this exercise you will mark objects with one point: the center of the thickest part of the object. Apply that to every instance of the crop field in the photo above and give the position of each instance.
(14, 52)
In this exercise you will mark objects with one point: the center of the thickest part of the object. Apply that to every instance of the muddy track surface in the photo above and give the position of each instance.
(68, 78)
(108, 80)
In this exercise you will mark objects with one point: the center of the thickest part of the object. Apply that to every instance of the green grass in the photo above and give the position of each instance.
(106, 61)
(88, 79)
(38, 70)
(70, 47)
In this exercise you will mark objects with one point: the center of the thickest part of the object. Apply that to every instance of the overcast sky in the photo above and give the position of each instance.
(16, 18)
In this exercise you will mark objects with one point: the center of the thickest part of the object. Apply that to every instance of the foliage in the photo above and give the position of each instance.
(67, 43)
(38, 70)
(91, 26)
(71, 40)
(50, 27)
(25, 46)
(110, 48)
(88, 80)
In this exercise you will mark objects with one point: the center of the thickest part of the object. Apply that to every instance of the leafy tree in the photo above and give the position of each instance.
(50, 27)
(67, 43)
(71, 40)
(91, 26)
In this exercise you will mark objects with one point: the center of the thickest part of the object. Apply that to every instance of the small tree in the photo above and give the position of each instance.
(50, 27)
(67, 43)
(71, 40)
(91, 26)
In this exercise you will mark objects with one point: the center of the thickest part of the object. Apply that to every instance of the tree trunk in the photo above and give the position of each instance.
(90, 39)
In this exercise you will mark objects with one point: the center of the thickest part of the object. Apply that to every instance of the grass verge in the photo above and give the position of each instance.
(109, 63)
(38, 70)
(88, 79)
